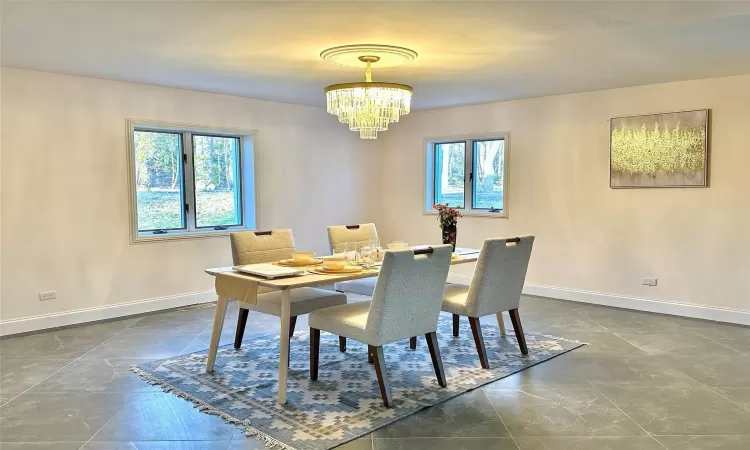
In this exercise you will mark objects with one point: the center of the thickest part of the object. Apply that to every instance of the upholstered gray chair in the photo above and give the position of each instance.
(341, 234)
(254, 247)
(495, 287)
(406, 303)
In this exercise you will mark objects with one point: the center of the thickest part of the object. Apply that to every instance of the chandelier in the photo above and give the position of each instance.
(368, 106)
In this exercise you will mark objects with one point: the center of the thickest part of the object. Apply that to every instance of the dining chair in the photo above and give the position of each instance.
(495, 287)
(406, 303)
(254, 247)
(340, 234)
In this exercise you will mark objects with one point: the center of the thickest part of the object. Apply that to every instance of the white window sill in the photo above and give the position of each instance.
(489, 215)
(144, 238)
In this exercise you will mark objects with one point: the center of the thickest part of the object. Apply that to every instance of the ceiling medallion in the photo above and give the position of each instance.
(368, 106)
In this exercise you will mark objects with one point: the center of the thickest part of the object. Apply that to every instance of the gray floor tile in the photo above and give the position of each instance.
(558, 325)
(675, 343)
(445, 444)
(158, 416)
(685, 410)
(135, 344)
(469, 415)
(94, 376)
(70, 416)
(588, 443)
(19, 374)
(548, 305)
(560, 412)
(67, 343)
(713, 369)
(735, 337)
(183, 445)
(109, 446)
(5, 398)
(603, 343)
(189, 321)
(737, 395)
(41, 445)
(704, 442)
(629, 321)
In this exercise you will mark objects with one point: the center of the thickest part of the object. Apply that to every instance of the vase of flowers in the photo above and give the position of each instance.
(448, 218)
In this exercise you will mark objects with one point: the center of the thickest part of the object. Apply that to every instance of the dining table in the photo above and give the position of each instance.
(233, 285)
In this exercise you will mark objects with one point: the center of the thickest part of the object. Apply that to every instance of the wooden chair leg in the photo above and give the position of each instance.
(292, 324)
(342, 344)
(476, 330)
(501, 323)
(516, 319)
(369, 355)
(314, 353)
(437, 361)
(413, 342)
(241, 322)
(382, 372)
(455, 325)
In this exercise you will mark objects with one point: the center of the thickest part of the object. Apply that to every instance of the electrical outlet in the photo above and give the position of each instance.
(649, 281)
(49, 295)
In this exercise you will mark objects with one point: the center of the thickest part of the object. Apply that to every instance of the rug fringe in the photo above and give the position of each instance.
(250, 431)
(558, 338)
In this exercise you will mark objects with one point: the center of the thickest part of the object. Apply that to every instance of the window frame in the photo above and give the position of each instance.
(430, 192)
(247, 180)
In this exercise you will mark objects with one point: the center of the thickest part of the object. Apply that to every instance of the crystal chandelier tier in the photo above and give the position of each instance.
(368, 106)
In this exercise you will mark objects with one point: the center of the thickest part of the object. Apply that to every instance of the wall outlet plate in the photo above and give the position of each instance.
(49, 295)
(649, 281)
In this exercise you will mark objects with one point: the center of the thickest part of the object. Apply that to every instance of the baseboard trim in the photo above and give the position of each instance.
(107, 312)
(635, 303)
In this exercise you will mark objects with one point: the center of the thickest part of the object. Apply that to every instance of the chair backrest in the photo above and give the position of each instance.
(499, 275)
(255, 247)
(340, 234)
(408, 294)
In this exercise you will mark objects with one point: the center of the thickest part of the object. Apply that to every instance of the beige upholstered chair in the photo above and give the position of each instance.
(406, 303)
(254, 247)
(341, 234)
(495, 287)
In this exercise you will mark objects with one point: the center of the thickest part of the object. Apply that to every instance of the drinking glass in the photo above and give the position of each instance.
(365, 253)
(339, 250)
(350, 248)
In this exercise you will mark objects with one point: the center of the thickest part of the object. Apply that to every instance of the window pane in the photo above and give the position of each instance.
(158, 175)
(489, 169)
(449, 173)
(216, 163)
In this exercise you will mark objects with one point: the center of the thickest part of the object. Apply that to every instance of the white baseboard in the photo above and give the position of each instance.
(36, 323)
(635, 303)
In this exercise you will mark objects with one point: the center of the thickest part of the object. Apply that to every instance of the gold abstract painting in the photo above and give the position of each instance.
(659, 150)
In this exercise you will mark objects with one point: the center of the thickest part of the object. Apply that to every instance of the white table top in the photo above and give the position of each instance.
(314, 279)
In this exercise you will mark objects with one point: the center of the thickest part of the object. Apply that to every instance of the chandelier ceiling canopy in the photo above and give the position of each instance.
(368, 106)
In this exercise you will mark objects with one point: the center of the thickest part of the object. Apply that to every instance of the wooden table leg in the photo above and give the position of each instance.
(221, 312)
(286, 304)
(501, 323)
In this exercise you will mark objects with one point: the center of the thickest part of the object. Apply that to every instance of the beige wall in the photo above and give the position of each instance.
(590, 237)
(65, 188)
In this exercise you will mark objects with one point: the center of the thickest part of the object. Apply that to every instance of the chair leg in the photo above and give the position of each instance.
(314, 353)
(369, 355)
(382, 372)
(516, 319)
(501, 323)
(413, 342)
(241, 322)
(342, 344)
(292, 324)
(437, 361)
(455, 325)
(476, 330)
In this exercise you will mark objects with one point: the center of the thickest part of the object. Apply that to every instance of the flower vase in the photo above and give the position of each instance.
(449, 235)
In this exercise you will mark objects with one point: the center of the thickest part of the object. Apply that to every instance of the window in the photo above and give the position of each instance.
(187, 182)
(468, 173)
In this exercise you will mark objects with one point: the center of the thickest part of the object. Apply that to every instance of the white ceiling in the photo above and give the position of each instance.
(469, 52)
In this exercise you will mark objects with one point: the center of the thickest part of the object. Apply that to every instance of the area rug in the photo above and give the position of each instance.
(345, 402)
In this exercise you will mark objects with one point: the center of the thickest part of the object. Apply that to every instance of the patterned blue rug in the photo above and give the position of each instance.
(345, 402)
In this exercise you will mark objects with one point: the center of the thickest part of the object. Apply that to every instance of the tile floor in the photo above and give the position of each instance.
(648, 382)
